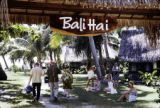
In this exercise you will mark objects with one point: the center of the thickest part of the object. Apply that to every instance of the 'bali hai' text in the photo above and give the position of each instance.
(82, 25)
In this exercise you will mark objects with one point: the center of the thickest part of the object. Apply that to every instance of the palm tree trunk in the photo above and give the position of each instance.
(94, 53)
(5, 61)
(50, 54)
(89, 60)
(105, 46)
(101, 61)
(39, 56)
(105, 40)
(55, 55)
(31, 64)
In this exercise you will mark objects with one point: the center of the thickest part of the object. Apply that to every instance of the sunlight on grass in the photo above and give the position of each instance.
(12, 96)
(102, 95)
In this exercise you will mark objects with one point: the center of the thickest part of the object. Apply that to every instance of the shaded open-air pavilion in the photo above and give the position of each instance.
(119, 13)
(144, 13)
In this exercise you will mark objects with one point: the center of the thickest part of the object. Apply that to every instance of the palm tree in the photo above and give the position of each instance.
(89, 46)
(4, 37)
(109, 39)
(54, 45)
(19, 47)
(98, 44)
(30, 45)
(18, 30)
(94, 53)
(82, 46)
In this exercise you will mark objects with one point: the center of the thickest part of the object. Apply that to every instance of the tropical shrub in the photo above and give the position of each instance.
(15, 69)
(81, 70)
(151, 79)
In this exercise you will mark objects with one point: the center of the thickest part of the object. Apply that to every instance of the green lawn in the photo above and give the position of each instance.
(12, 96)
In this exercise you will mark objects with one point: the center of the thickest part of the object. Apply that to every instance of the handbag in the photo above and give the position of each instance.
(29, 89)
(46, 79)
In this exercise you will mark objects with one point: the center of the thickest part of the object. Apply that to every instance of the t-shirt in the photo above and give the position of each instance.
(115, 68)
(91, 74)
(37, 73)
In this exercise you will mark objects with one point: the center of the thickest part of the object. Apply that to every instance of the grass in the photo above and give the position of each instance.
(13, 97)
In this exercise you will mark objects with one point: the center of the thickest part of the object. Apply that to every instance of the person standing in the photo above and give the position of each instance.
(35, 77)
(25, 68)
(115, 73)
(67, 79)
(53, 80)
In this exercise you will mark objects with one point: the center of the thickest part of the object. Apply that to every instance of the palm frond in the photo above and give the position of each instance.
(55, 40)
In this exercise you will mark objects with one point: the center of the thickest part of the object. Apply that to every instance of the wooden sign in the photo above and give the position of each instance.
(83, 25)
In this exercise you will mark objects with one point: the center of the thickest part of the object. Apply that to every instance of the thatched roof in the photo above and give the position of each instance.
(120, 9)
(135, 47)
(143, 13)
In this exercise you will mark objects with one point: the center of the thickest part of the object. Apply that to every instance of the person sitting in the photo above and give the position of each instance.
(129, 95)
(95, 87)
(110, 89)
(91, 76)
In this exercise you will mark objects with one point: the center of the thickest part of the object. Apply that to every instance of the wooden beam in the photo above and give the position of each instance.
(76, 8)
(46, 14)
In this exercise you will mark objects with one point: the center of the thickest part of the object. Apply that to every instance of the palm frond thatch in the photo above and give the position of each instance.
(152, 27)
(29, 19)
(135, 47)
(4, 16)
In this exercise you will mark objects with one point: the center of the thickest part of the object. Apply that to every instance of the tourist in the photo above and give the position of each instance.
(35, 77)
(129, 95)
(115, 73)
(67, 80)
(91, 76)
(95, 87)
(110, 89)
(25, 68)
(52, 73)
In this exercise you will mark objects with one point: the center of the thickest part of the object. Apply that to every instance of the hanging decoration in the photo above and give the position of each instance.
(4, 16)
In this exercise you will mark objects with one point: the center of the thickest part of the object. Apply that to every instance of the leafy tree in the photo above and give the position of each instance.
(29, 44)
(82, 47)
(18, 30)
(54, 45)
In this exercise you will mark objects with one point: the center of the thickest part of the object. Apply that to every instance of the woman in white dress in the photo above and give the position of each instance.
(110, 89)
(91, 76)
(129, 95)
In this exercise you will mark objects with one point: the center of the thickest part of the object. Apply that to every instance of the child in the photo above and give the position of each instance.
(110, 89)
(67, 80)
(95, 87)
